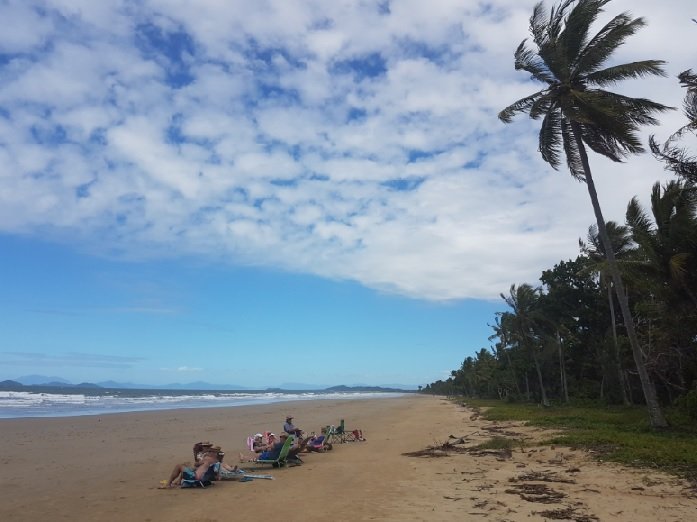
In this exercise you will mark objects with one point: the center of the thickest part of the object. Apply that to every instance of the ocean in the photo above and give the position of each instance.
(71, 402)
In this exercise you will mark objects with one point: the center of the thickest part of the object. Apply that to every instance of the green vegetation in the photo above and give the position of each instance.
(620, 434)
(618, 324)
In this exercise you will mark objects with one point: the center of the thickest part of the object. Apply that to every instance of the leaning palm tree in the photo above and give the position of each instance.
(577, 112)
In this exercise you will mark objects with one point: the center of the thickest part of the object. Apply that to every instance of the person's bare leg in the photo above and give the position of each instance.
(175, 476)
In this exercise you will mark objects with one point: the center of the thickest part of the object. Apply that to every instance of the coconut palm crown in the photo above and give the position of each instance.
(571, 64)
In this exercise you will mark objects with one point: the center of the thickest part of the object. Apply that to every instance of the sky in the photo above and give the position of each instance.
(284, 191)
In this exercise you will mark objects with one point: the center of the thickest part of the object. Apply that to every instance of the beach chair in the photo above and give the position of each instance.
(318, 443)
(281, 460)
(346, 435)
(330, 435)
(203, 482)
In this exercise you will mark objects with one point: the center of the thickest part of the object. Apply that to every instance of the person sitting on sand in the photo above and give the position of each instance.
(225, 471)
(260, 444)
(317, 443)
(290, 429)
(273, 452)
(187, 472)
(200, 449)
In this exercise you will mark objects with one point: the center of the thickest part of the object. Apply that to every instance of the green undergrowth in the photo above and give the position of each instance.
(620, 434)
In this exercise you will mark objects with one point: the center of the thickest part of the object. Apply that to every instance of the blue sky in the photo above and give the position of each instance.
(281, 191)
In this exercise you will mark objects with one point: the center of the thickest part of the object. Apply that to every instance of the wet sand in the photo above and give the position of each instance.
(108, 468)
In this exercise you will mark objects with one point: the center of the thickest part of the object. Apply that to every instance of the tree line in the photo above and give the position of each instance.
(619, 322)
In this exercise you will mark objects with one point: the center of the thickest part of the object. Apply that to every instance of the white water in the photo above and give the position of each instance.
(15, 404)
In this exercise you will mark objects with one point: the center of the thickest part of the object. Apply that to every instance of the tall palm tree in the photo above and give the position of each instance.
(577, 112)
(621, 240)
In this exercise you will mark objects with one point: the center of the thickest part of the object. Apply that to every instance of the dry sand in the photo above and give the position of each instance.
(107, 468)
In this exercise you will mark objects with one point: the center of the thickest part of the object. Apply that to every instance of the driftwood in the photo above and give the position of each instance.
(567, 513)
(537, 493)
(541, 476)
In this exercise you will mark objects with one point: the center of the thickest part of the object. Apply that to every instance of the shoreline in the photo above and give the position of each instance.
(108, 469)
(31, 404)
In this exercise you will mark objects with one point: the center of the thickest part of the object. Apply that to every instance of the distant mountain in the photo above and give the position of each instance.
(10, 385)
(40, 379)
(342, 388)
(59, 382)
(16, 385)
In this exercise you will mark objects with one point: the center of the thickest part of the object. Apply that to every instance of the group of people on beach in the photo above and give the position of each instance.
(208, 462)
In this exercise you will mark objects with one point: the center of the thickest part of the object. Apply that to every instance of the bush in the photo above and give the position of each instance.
(691, 404)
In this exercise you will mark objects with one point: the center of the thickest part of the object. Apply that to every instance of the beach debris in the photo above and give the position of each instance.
(536, 493)
(500, 430)
(541, 476)
(567, 513)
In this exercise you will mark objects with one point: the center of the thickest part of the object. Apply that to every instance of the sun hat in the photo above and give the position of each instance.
(289, 417)
(258, 436)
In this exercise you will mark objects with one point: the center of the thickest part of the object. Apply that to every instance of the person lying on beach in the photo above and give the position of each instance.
(188, 472)
(290, 429)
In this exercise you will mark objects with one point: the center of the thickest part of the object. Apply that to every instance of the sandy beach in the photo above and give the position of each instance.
(108, 468)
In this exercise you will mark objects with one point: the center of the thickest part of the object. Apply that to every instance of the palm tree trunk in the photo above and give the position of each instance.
(620, 373)
(543, 392)
(562, 370)
(656, 416)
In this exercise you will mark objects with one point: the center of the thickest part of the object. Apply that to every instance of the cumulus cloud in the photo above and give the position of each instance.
(352, 140)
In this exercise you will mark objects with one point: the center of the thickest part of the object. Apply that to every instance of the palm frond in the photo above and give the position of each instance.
(638, 221)
(625, 71)
(575, 34)
(573, 155)
(522, 105)
(529, 61)
(538, 24)
(605, 42)
(675, 159)
(615, 144)
(678, 265)
(557, 17)
(550, 137)
(611, 121)
(541, 106)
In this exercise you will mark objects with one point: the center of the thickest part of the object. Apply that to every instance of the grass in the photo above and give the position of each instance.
(620, 434)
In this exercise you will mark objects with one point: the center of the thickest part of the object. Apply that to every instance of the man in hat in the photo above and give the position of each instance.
(290, 429)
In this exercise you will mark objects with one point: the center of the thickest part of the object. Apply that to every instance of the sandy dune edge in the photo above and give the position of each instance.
(107, 469)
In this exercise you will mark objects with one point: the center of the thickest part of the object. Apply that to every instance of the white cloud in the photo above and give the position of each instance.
(239, 129)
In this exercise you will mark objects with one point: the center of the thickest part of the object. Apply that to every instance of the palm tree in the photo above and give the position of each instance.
(576, 112)
(526, 320)
(668, 259)
(669, 244)
(675, 158)
(622, 246)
